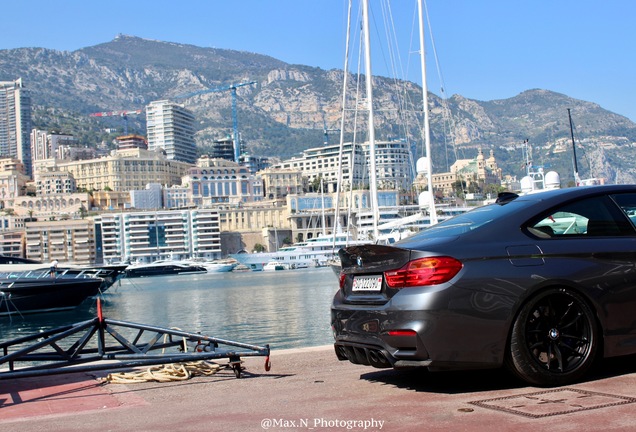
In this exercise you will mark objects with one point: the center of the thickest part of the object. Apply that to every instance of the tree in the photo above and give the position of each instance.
(314, 186)
(30, 218)
(459, 187)
(493, 189)
(259, 248)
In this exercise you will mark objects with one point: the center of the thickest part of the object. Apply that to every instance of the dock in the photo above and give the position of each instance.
(309, 389)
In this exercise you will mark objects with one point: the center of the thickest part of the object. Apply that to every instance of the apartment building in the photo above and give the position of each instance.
(45, 145)
(54, 182)
(125, 170)
(176, 197)
(13, 181)
(126, 142)
(251, 219)
(153, 235)
(324, 163)
(12, 242)
(71, 240)
(170, 128)
(15, 122)
(254, 163)
(394, 166)
(150, 198)
(278, 183)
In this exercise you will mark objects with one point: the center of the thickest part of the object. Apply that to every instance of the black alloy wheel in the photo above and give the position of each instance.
(554, 339)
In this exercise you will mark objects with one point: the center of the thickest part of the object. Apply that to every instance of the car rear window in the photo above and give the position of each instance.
(468, 221)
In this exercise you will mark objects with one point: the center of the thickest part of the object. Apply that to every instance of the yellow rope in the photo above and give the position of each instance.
(166, 373)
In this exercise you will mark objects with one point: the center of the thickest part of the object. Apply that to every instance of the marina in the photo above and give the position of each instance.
(288, 309)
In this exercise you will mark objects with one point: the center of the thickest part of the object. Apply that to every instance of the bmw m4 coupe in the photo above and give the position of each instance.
(542, 284)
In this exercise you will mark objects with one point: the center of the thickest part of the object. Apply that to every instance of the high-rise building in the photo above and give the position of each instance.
(45, 145)
(15, 122)
(170, 128)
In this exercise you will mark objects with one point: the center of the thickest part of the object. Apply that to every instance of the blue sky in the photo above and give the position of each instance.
(487, 50)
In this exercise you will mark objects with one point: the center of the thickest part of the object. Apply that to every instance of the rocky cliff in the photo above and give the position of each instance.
(289, 107)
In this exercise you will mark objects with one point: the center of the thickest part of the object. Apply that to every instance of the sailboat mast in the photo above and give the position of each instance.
(322, 198)
(336, 227)
(369, 87)
(576, 167)
(427, 131)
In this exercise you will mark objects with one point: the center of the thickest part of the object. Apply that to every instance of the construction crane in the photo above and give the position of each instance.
(232, 88)
(123, 114)
(327, 131)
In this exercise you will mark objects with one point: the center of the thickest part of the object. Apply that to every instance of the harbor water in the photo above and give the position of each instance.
(286, 309)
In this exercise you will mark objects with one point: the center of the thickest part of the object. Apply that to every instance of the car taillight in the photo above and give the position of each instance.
(402, 333)
(341, 279)
(423, 271)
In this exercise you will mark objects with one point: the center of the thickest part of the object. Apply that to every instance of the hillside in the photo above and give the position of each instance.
(288, 108)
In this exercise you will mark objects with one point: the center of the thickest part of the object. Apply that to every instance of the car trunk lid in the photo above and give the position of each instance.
(362, 275)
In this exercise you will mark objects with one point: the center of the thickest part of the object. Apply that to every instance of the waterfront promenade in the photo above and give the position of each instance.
(309, 389)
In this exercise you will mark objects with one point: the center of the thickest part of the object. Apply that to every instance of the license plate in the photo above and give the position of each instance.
(367, 283)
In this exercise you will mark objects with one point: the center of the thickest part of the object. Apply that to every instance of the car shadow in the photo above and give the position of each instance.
(448, 382)
(458, 382)
(612, 367)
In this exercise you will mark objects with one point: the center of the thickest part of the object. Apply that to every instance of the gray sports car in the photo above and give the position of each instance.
(542, 283)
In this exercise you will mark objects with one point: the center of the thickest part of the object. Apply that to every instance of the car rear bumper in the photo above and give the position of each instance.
(437, 337)
(375, 356)
(364, 337)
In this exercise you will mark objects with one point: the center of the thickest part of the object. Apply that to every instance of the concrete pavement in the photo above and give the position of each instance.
(309, 389)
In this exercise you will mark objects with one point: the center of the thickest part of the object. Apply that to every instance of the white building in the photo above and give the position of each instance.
(393, 165)
(169, 234)
(176, 197)
(54, 182)
(150, 198)
(219, 181)
(324, 162)
(170, 127)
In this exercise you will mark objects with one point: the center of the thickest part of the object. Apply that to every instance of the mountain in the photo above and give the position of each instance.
(289, 107)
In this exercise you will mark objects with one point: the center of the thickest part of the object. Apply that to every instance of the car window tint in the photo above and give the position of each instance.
(627, 203)
(596, 216)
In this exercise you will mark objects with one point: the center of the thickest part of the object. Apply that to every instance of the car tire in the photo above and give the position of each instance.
(554, 338)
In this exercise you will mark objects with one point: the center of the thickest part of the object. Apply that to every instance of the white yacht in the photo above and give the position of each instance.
(275, 265)
(314, 252)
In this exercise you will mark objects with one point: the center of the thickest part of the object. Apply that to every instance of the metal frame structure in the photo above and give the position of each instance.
(45, 353)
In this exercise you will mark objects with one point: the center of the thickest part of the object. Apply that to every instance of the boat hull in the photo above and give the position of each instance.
(163, 270)
(219, 268)
(45, 295)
